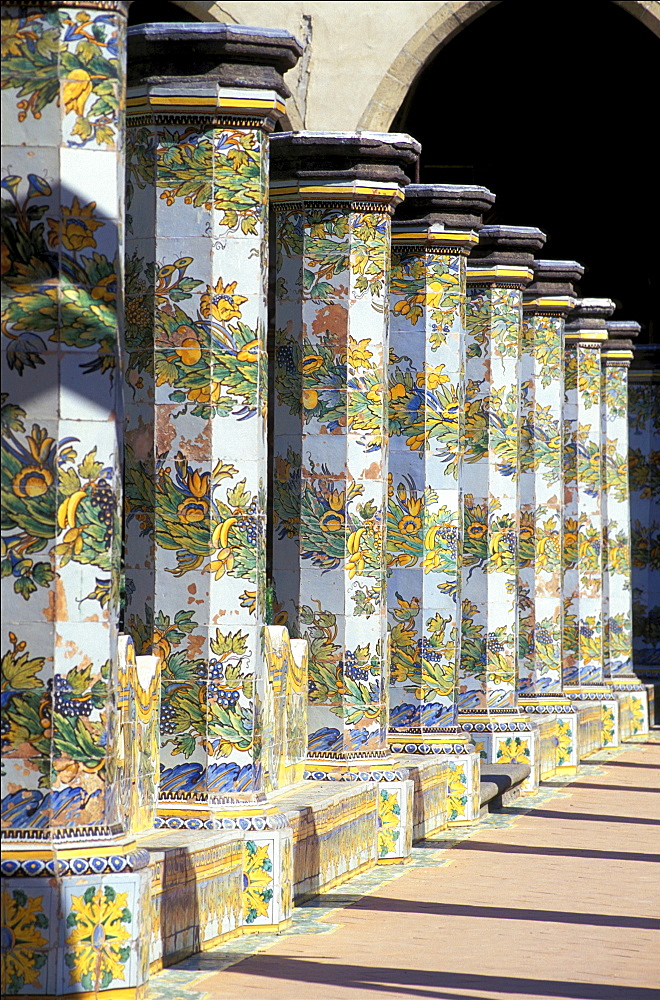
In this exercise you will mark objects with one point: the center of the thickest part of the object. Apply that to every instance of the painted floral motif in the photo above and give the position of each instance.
(540, 440)
(542, 338)
(491, 427)
(338, 530)
(564, 742)
(353, 677)
(212, 360)
(424, 408)
(615, 471)
(607, 725)
(257, 881)
(616, 553)
(97, 942)
(201, 703)
(208, 532)
(615, 394)
(220, 169)
(582, 461)
(642, 407)
(23, 944)
(421, 532)
(539, 645)
(589, 563)
(389, 819)
(513, 750)
(65, 713)
(638, 715)
(618, 630)
(84, 522)
(335, 243)
(77, 47)
(456, 792)
(338, 386)
(486, 656)
(428, 285)
(540, 540)
(644, 471)
(424, 664)
(489, 538)
(493, 322)
(54, 288)
(582, 374)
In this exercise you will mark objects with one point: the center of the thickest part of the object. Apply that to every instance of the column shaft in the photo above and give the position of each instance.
(431, 241)
(196, 457)
(330, 482)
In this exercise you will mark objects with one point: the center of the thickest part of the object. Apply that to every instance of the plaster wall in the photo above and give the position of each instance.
(361, 59)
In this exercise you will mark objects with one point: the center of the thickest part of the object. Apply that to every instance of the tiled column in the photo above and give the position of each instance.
(75, 901)
(546, 304)
(616, 355)
(583, 564)
(434, 230)
(644, 480)
(333, 197)
(202, 100)
(499, 269)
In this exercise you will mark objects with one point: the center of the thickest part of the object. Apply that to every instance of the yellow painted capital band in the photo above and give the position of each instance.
(257, 105)
(357, 190)
(586, 336)
(618, 356)
(448, 237)
(506, 273)
(553, 304)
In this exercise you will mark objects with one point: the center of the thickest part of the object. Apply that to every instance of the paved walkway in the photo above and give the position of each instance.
(561, 901)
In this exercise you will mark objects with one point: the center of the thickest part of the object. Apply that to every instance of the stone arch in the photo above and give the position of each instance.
(205, 11)
(445, 24)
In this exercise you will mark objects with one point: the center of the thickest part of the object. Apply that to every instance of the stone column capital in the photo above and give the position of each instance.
(442, 217)
(370, 167)
(505, 256)
(587, 323)
(551, 292)
(218, 70)
(618, 348)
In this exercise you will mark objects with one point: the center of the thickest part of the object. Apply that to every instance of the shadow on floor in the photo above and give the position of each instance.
(624, 763)
(556, 852)
(557, 814)
(420, 983)
(387, 905)
(595, 784)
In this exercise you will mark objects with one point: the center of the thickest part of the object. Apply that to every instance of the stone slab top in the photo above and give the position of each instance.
(557, 270)
(326, 156)
(234, 54)
(588, 318)
(553, 282)
(459, 206)
(626, 328)
(513, 245)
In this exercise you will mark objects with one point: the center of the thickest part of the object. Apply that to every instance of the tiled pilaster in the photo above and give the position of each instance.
(499, 269)
(333, 197)
(547, 302)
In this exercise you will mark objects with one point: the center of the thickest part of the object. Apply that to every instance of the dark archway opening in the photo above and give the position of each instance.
(553, 107)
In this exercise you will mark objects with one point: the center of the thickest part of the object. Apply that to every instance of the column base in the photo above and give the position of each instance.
(395, 796)
(598, 711)
(457, 750)
(54, 901)
(557, 719)
(633, 705)
(505, 736)
(266, 850)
